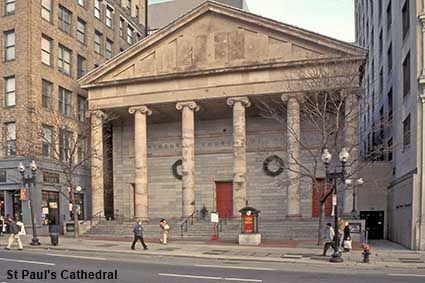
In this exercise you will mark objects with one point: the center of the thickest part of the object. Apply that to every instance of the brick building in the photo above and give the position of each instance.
(46, 45)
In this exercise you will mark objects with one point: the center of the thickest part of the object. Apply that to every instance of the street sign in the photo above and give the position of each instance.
(23, 194)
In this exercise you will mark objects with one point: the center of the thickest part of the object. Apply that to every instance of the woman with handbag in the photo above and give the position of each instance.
(347, 238)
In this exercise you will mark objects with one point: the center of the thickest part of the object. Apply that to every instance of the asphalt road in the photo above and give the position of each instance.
(42, 266)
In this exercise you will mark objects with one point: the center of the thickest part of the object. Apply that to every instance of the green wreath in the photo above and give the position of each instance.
(176, 173)
(276, 160)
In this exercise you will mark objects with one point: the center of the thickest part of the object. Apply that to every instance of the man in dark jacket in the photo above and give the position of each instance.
(138, 235)
(14, 234)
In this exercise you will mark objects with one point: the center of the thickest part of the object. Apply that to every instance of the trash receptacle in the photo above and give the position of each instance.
(54, 238)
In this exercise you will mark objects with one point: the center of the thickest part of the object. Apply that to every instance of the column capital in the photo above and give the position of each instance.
(95, 113)
(192, 105)
(143, 109)
(242, 99)
(299, 96)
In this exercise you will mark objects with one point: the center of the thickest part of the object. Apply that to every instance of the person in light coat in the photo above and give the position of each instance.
(165, 228)
(328, 238)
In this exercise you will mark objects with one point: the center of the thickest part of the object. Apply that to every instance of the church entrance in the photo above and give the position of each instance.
(224, 199)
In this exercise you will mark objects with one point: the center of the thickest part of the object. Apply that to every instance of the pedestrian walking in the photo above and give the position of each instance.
(165, 228)
(138, 235)
(328, 238)
(347, 238)
(14, 230)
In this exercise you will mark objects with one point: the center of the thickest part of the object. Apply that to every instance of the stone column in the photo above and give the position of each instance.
(97, 188)
(239, 151)
(140, 159)
(351, 143)
(188, 155)
(293, 136)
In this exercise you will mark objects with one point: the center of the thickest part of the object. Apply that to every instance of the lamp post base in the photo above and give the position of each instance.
(336, 257)
(35, 242)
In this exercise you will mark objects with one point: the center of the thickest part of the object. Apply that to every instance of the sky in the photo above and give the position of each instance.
(334, 18)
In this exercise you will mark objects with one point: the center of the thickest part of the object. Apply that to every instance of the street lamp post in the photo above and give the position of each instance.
(30, 181)
(355, 183)
(326, 158)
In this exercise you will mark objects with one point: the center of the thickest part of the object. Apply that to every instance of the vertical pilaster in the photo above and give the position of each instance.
(293, 136)
(239, 151)
(188, 155)
(97, 186)
(351, 143)
(140, 159)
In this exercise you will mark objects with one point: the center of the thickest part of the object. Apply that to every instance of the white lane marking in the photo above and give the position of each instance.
(77, 256)
(236, 267)
(27, 261)
(209, 278)
(241, 279)
(407, 275)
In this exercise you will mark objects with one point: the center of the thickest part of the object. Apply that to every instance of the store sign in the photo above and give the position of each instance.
(2, 176)
(23, 194)
(50, 177)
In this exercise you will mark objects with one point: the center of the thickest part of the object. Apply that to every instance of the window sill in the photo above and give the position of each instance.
(9, 61)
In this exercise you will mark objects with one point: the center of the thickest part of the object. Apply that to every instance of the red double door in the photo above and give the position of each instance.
(224, 199)
(318, 192)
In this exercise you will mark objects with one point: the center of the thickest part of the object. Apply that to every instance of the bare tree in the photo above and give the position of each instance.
(64, 138)
(330, 109)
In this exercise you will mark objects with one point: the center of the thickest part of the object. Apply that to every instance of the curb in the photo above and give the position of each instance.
(358, 265)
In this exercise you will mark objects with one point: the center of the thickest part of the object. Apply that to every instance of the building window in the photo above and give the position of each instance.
(82, 148)
(81, 66)
(47, 141)
(65, 138)
(65, 19)
(108, 49)
(405, 18)
(109, 21)
(390, 58)
(65, 101)
(98, 9)
(82, 3)
(128, 5)
(406, 75)
(81, 31)
(390, 149)
(381, 81)
(82, 108)
(46, 10)
(406, 132)
(390, 107)
(98, 42)
(46, 94)
(137, 13)
(380, 42)
(130, 31)
(3, 178)
(9, 45)
(46, 50)
(10, 6)
(64, 60)
(11, 139)
(389, 15)
(10, 83)
(122, 27)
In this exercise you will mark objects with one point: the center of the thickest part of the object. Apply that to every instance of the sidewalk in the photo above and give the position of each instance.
(385, 254)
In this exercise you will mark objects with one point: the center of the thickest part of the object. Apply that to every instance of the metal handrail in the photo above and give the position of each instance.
(98, 214)
(183, 224)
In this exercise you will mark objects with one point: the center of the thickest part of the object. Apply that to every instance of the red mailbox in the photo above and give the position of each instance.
(249, 218)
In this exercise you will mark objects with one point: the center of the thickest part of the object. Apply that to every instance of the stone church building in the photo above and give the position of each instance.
(187, 132)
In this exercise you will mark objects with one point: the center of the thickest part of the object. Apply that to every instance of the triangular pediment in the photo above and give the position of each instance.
(217, 37)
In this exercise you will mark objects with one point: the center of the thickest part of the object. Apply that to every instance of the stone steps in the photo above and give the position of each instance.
(286, 229)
